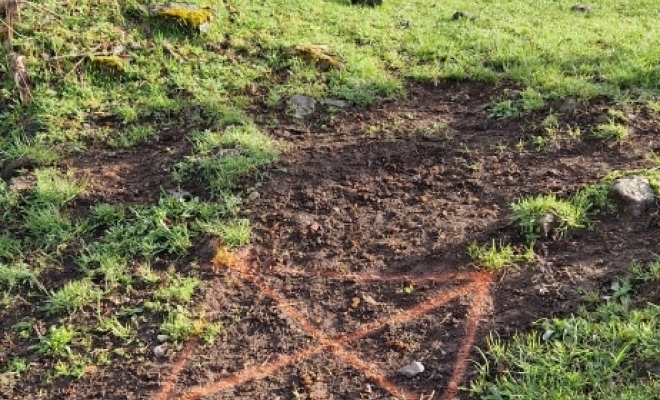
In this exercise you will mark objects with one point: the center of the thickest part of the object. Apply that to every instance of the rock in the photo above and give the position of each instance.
(634, 194)
(302, 105)
(581, 8)
(162, 338)
(565, 106)
(336, 103)
(463, 15)
(411, 370)
(547, 225)
(254, 196)
(370, 3)
(160, 350)
(22, 184)
(180, 195)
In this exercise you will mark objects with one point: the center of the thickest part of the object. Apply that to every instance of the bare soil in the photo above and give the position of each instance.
(359, 261)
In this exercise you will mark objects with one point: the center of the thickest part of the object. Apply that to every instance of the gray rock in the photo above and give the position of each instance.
(634, 194)
(254, 196)
(547, 225)
(160, 350)
(336, 103)
(411, 370)
(162, 338)
(463, 15)
(581, 8)
(302, 105)
(568, 105)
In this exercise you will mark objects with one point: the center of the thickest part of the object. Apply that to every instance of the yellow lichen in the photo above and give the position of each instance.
(113, 62)
(323, 55)
(197, 17)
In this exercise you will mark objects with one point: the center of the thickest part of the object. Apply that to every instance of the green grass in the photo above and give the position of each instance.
(611, 352)
(493, 257)
(562, 215)
(70, 264)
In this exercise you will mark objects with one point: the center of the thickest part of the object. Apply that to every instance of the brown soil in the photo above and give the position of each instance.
(359, 265)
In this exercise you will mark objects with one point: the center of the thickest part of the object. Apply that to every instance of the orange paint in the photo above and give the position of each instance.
(477, 286)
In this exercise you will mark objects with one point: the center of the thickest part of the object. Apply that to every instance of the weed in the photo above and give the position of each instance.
(212, 331)
(50, 228)
(529, 212)
(495, 257)
(55, 189)
(58, 343)
(113, 326)
(504, 108)
(179, 326)
(18, 274)
(74, 296)
(10, 248)
(23, 328)
(106, 215)
(610, 131)
(18, 365)
(178, 289)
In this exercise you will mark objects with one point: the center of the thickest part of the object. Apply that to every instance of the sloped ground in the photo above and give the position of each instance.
(359, 263)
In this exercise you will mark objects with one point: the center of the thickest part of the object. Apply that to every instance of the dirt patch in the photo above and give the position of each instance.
(359, 262)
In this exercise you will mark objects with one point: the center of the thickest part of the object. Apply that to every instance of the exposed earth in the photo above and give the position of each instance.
(359, 261)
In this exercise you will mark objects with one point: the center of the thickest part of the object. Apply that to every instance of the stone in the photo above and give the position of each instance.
(370, 3)
(411, 370)
(22, 183)
(160, 350)
(254, 196)
(463, 15)
(162, 338)
(581, 8)
(566, 105)
(547, 225)
(336, 103)
(302, 105)
(634, 194)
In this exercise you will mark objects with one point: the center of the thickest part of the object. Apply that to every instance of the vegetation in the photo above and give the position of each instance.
(605, 353)
(137, 74)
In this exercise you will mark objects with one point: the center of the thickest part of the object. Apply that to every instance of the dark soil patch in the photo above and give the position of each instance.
(131, 176)
(362, 229)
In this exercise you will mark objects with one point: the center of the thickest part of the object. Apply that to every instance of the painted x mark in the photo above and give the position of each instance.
(477, 289)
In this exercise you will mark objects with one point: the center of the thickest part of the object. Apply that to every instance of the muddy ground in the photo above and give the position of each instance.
(359, 261)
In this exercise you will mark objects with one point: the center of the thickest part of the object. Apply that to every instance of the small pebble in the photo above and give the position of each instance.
(411, 370)
(160, 350)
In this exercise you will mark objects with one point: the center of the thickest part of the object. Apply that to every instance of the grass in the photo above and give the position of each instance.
(123, 80)
(494, 257)
(610, 352)
(538, 216)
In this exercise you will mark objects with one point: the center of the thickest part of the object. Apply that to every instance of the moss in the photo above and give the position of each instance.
(115, 63)
(199, 18)
(322, 55)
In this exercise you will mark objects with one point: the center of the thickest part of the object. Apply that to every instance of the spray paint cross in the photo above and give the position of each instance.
(477, 289)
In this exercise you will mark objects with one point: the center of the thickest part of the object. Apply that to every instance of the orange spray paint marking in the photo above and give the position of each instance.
(471, 327)
(477, 285)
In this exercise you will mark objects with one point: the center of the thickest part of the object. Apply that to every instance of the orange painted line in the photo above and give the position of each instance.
(409, 314)
(252, 374)
(372, 372)
(444, 277)
(173, 376)
(479, 287)
(471, 328)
